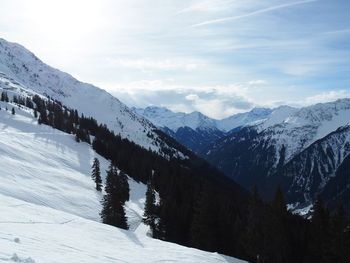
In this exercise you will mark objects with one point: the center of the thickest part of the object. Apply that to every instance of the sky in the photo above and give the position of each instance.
(219, 57)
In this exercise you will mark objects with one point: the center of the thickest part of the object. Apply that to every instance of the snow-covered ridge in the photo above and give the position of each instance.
(24, 69)
(253, 117)
(312, 169)
(163, 117)
(296, 129)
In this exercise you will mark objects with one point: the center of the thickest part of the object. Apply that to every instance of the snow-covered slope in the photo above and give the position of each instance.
(50, 208)
(311, 170)
(47, 167)
(256, 115)
(22, 68)
(298, 129)
(31, 233)
(277, 116)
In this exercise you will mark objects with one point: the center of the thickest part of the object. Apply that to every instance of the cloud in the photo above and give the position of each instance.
(157, 64)
(311, 66)
(208, 6)
(215, 101)
(326, 97)
(257, 82)
(257, 12)
(337, 32)
(192, 97)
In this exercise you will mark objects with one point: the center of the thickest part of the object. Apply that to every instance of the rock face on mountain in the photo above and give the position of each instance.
(301, 152)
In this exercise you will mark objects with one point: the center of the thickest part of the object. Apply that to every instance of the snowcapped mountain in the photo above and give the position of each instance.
(50, 208)
(304, 126)
(163, 117)
(312, 169)
(299, 149)
(195, 130)
(22, 69)
(252, 117)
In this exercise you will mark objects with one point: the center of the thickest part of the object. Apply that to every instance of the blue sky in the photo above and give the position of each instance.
(219, 57)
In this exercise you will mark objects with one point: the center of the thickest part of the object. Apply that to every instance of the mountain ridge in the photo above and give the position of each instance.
(30, 73)
(300, 152)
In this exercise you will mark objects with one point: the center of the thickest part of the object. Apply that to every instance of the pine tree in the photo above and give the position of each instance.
(319, 239)
(278, 203)
(149, 214)
(159, 230)
(4, 96)
(340, 250)
(123, 186)
(204, 219)
(43, 116)
(113, 212)
(253, 236)
(96, 174)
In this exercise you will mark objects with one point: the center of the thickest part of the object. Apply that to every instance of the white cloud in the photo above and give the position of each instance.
(303, 67)
(217, 101)
(208, 6)
(157, 64)
(326, 97)
(192, 97)
(257, 82)
(254, 13)
(337, 32)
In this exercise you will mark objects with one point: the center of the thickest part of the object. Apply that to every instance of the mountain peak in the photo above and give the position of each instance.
(163, 117)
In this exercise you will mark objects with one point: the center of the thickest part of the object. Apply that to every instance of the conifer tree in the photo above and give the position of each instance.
(113, 212)
(203, 223)
(4, 96)
(340, 251)
(278, 203)
(123, 186)
(159, 224)
(149, 214)
(43, 116)
(96, 174)
(253, 235)
(319, 239)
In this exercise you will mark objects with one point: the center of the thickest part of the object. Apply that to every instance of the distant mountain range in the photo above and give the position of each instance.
(305, 151)
(197, 131)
